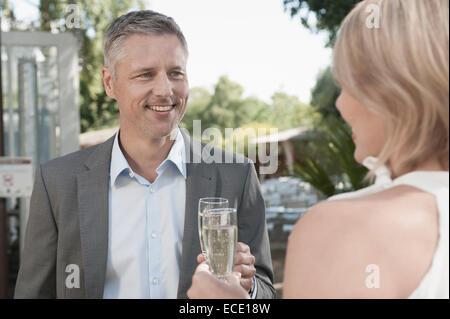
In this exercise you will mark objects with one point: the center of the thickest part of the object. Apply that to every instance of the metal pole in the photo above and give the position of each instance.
(3, 244)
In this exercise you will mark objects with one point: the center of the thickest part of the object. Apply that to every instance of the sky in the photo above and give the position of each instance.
(255, 43)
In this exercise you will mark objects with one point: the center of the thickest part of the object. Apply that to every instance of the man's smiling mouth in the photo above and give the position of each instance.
(160, 108)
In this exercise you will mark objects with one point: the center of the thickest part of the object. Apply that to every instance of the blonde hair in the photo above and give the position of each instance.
(400, 71)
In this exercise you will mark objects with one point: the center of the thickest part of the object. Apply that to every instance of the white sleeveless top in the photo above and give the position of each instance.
(435, 283)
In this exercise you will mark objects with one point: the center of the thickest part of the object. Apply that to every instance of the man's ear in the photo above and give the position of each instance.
(108, 82)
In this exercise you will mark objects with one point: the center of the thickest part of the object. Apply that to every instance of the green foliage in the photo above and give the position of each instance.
(331, 167)
(226, 107)
(288, 112)
(96, 109)
(6, 11)
(325, 93)
(314, 174)
(328, 14)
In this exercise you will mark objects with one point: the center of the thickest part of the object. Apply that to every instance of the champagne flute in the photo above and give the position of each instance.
(220, 234)
(205, 204)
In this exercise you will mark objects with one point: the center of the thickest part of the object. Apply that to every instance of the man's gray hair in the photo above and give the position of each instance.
(136, 22)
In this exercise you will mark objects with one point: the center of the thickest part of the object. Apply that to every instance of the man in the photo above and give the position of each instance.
(119, 220)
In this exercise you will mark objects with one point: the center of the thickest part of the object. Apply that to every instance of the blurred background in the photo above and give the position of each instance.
(252, 64)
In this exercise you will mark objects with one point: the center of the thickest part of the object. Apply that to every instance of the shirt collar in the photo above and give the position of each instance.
(118, 161)
(177, 156)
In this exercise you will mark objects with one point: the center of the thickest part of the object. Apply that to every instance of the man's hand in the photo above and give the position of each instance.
(244, 263)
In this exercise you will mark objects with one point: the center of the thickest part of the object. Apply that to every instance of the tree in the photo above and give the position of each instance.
(328, 14)
(329, 165)
(325, 93)
(96, 109)
(199, 99)
(226, 107)
(7, 13)
(288, 112)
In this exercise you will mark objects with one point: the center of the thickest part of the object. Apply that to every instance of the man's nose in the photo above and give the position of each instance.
(162, 86)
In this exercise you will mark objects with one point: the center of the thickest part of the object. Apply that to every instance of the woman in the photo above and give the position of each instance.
(389, 240)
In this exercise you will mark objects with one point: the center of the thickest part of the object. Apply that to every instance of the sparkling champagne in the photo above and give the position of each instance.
(200, 227)
(203, 205)
(220, 243)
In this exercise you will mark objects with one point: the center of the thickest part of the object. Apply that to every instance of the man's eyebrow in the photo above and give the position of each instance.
(149, 69)
(143, 69)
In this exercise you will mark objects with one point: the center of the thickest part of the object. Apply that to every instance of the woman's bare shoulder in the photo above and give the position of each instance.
(398, 208)
(337, 241)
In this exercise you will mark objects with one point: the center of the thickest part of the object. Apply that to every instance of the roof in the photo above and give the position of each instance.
(300, 133)
(96, 137)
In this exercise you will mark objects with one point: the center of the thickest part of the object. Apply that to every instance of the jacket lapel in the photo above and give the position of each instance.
(200, 182)
(93, 188)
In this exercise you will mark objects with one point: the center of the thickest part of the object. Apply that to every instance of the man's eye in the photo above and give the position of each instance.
(177, 74)
(145, 75)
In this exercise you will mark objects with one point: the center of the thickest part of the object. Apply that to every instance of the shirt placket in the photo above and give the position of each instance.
(154, 242)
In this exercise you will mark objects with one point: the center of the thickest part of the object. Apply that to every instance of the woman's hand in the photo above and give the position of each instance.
(206, 286)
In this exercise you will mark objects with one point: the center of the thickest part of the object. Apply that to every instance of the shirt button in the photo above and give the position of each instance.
(152, 190)
(131, 174)
(154, 235)
(155, 281)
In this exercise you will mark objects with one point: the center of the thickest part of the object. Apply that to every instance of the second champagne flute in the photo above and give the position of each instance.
(220, 234)
(203, 205)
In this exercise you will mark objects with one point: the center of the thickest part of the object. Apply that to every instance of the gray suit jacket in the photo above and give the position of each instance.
(68, 222)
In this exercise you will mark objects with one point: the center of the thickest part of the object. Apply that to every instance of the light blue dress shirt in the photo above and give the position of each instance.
(146, 223)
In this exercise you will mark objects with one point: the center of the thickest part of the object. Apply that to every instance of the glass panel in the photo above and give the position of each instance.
(34, 84)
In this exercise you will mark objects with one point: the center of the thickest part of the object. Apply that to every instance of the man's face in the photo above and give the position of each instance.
(151, 86)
